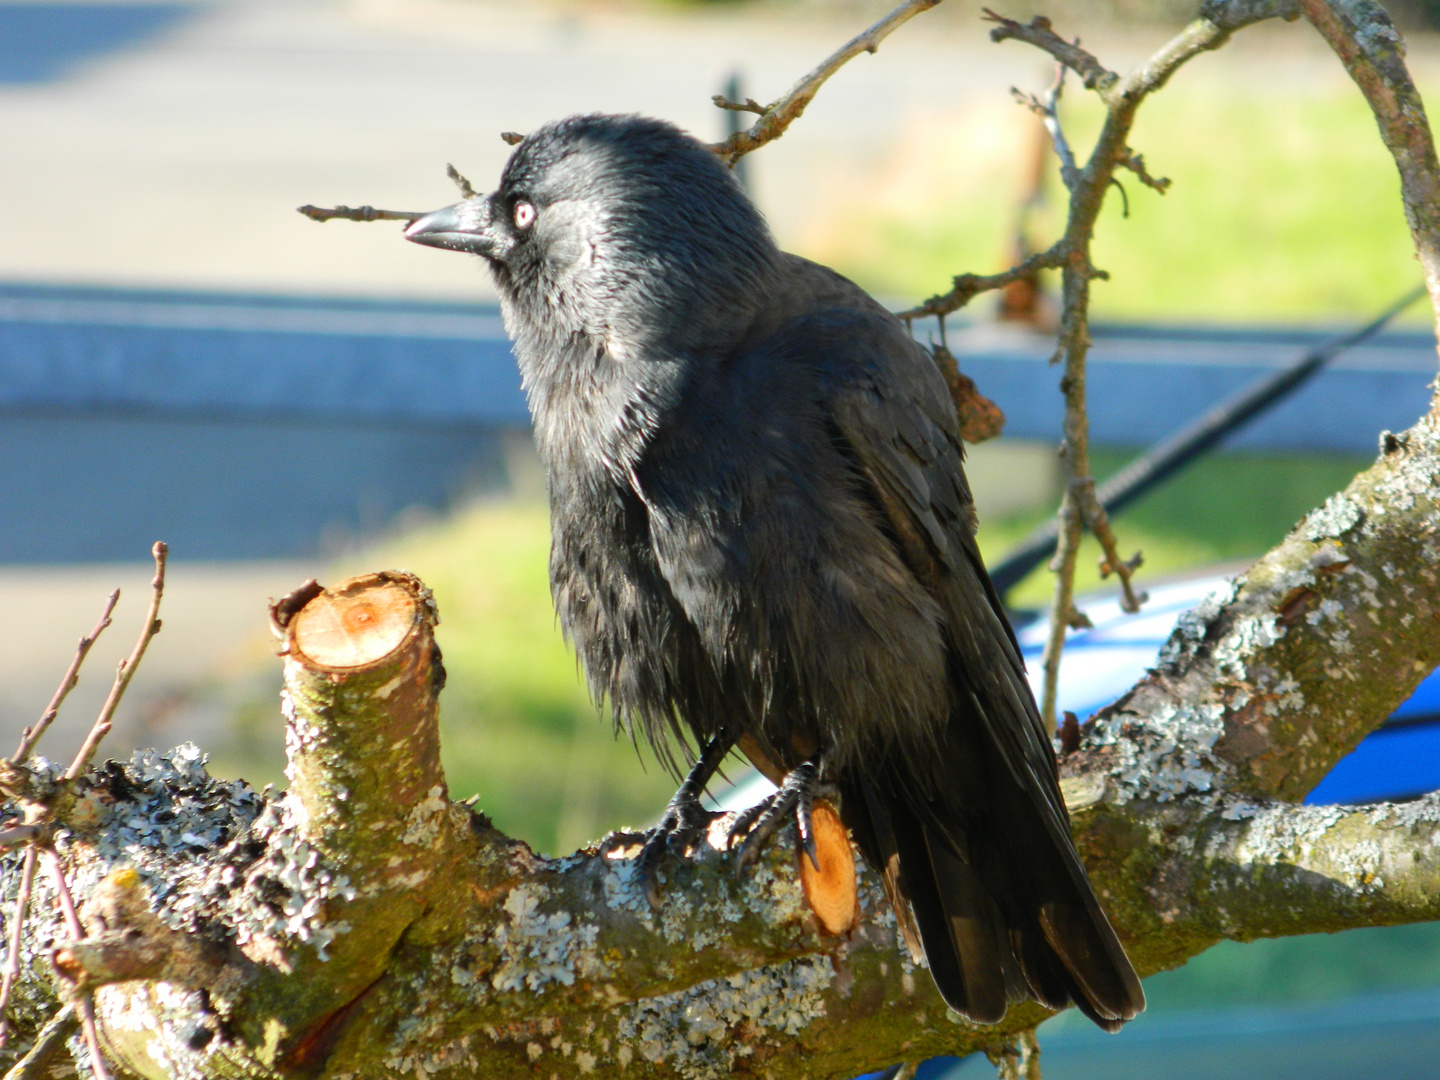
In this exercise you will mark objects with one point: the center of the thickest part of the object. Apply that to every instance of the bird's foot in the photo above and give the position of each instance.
(685, 822)
(684, 825)
(759, 823)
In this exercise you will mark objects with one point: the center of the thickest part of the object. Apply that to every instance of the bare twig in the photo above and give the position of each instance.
(356, 213)
(1136, 164)
(36, 1062)
(968, 286)
(1366, 41)
(31, 736)
(779, 115)
(85, 1003)
(463, 184)
(1079, 508)
(17, 926)
(748, 105)
(1048, 111)
(1039, 32)
(126, 670)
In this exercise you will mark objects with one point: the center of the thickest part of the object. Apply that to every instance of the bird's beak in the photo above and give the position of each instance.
(466, 226)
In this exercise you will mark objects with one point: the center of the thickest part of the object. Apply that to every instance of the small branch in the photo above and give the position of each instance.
(17, 926)
(748, 105)
(127, 668)
(36, 1063)
(968, 286)
(1048, 111)
(1098, 522)
(463, 184)
(1366, 41)
(777, 117)
(357, 213)
(85, 1004)
(1039, 32)
(31, 736)
(1136, 164)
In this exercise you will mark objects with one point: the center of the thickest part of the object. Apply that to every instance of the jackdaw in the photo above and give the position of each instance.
(763, 537)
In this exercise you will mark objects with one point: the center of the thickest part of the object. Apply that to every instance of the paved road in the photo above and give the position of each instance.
(177, 159)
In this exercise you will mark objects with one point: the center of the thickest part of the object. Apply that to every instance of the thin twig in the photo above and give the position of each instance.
(84, 1004)
(17, 925)
(1040, 33)
(779, 115)
(31, 736)
(748, 105)
(357, 213)
(1048, 111)
(463, 184)
(1136, 164)
(966, 287)
(1079, 508)
(126, 670)
(36, 1062)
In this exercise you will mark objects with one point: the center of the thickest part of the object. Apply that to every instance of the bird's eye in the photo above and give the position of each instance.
(524, 214)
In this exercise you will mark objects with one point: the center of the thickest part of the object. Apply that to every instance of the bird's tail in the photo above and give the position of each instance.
(1003, 911)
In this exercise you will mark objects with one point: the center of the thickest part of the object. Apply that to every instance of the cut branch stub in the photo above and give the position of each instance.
(361, 700)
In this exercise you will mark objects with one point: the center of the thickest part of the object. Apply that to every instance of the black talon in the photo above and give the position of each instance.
(796, 793)
(685, 821)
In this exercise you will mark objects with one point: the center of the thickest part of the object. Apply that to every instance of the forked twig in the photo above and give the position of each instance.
(126, 670)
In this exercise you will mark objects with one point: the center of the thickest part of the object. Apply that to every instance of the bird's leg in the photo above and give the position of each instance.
(758, 824)
(684, 820)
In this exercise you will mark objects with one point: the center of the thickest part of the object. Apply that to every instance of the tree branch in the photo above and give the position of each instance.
(777, 117)
(1367, 43)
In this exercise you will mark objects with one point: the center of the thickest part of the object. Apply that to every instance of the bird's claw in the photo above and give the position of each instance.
(684, 824)
(760, 822)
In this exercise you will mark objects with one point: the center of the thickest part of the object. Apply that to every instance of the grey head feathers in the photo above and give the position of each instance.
(641, 241)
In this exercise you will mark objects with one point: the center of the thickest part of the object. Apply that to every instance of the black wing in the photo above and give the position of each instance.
(987, 861)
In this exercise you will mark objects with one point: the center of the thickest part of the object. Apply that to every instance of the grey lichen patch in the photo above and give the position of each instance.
(538, 948)
(1339, 514)
(1164, 755)
(289, 891)
(697, 1031)
(427, 819)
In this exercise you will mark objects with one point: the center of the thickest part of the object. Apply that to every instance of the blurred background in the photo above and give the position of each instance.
(183, 357)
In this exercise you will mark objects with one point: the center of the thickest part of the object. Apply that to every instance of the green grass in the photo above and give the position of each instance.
(1314, 967)
(1225, 509)
(517, 725)
(1284, 206)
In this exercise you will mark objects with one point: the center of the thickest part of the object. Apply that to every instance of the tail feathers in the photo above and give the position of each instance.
(964, 936)
(1042, 938)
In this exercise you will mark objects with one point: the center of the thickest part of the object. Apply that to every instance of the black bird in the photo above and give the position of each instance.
(763, 537)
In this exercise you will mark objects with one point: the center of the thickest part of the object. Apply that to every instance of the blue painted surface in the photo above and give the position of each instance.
(43, 42)
(191, 356)
(194, 354)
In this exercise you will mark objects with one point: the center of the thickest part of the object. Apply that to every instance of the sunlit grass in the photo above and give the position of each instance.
(1282, 207)
(517, 724)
